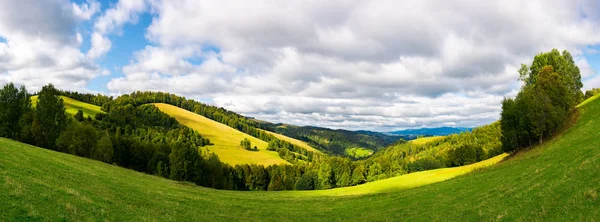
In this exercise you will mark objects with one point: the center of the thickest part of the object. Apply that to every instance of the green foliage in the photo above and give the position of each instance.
(79, 139)
(185, 162)
(50, 117)
(591, 92)
(551, 91)
(79, 116)
(14, 105)
(465, 155)
(308, 181)
(104, 149)
(245, 143)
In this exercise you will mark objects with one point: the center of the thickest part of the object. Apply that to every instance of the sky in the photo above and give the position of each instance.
(369, 65)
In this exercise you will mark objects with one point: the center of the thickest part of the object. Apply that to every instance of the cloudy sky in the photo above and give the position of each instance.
(376, 65)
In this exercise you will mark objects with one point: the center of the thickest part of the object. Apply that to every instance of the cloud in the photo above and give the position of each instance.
(355, 64)
(86, 10)
(113, 19)
(42, 45)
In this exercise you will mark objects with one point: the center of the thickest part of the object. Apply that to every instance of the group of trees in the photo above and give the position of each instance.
(246, 144)
(591, 92)
(551, 90)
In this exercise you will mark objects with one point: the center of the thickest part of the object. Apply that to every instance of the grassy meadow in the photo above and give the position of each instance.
(72, 106)
(226, 140)
(358, 152)
(424, 140)
(296, 142)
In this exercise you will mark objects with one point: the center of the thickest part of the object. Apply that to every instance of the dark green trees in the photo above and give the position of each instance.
(79, 139)
(79, 116)
(14, 105)
(551, 91)
(50, 118)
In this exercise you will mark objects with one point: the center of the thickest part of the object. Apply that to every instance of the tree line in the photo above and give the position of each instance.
(550, 92)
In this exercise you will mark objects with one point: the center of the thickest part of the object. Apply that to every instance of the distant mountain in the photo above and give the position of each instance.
(439, 131)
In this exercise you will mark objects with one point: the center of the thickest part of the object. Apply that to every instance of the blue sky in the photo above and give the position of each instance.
(377, 65)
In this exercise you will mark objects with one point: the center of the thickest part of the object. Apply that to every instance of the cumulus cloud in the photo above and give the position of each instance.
(113, 19)
(86, 10)
(42, 45)
(355, 64)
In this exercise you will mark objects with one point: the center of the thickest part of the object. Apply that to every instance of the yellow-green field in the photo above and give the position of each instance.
(424, 140)
(72, 106)
(226, 140)
(358, 152)
(296, 142)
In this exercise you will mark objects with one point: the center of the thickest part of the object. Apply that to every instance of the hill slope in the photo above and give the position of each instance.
(72, 106)
(556, 181)
(226, 140)
(296, 142)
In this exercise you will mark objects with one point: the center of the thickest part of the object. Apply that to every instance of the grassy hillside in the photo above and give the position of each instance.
(558, 181)
(226, 140)
(72, 106)
(296, 142)
(424, 140)
(44, 184)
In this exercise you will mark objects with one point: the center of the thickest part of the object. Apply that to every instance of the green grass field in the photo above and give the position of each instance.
(424, 140)
(558, 181)
(226, 140)
(72, 106)
(358, 152)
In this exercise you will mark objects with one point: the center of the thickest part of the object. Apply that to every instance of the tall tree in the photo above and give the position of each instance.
(14, 104)
(51, 117)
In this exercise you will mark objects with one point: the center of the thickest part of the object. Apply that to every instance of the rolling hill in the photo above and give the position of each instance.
(72, 106)
(334, 142)
(226, 140)
(555, 181)
(439, 131)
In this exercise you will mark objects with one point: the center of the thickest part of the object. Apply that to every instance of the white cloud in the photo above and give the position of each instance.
(113, 19)
(86, 10)
(42, 45)
(355, 64)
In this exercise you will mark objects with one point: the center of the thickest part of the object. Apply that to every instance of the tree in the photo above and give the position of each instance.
(358, 175)
(307, 181)
(50, 114)
(79, 116)
(245, 143)
(276, 182)
(14, 104)
(79, 139)
(185, 161)
(326, 177)
(104, 149)
(551, 91)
